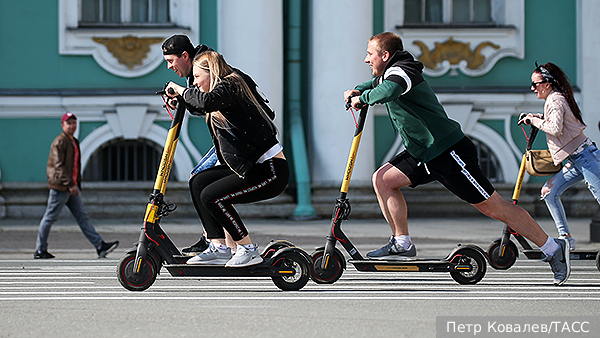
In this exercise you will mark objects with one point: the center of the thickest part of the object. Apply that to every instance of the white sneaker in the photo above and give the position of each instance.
(244, 257)
(211, 256)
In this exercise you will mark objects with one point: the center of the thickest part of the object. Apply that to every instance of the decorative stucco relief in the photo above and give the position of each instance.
(457, 54)
(129, 51)
(125, 51)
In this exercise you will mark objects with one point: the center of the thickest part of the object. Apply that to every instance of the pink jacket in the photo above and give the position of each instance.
(564, 133)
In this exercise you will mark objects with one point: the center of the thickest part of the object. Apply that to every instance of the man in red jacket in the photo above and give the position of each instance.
(64, 180)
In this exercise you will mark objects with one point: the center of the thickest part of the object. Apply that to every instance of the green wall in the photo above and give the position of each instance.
(25, 146)
(31, 59)
(29, 45)
(550, 36)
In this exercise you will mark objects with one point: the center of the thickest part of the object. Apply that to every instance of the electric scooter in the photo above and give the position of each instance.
(466, 263)
(287, 265)
(502, 252)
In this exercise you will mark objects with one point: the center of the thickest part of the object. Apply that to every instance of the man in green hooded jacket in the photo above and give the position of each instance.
(436, 150)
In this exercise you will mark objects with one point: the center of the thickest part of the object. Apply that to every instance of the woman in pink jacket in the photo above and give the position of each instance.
(564, 127)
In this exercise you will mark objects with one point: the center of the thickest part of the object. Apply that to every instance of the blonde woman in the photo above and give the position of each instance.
(252, 164)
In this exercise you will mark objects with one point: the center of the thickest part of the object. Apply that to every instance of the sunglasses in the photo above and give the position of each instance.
(535, 84)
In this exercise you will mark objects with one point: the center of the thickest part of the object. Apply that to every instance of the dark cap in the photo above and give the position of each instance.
(67, 116)
(177, 44)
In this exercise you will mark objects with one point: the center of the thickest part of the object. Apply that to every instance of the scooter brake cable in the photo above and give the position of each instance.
(167, 106)
(354, 117)
(349, 107)
(527, 137)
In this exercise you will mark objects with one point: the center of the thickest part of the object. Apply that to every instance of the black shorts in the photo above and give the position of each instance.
(456, 168)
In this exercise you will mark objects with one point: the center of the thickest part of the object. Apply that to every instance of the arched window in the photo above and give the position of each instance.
(125, 160)
(488, 162)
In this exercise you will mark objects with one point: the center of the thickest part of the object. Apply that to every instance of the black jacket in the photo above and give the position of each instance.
(246, 135)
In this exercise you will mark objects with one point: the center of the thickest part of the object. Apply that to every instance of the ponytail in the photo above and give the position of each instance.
(559, 81)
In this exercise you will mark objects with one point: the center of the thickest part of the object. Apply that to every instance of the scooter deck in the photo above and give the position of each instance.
(575, 254)
(210, 270)
(409, 265)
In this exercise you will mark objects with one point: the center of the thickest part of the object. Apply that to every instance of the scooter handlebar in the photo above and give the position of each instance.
(349, 102)
(173, 101)
(523, 119)
(163, 92)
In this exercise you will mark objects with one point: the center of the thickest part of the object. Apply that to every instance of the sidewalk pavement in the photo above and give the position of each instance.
(434, 237)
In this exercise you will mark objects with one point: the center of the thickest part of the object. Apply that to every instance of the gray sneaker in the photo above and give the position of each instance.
(559, 262)
(570, 239)
(211, 256)
(244, 257)
(393, 251)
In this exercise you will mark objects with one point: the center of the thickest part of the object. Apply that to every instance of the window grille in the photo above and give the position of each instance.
(124, 12)
(448, 12)
(488, 162)
(125, 160)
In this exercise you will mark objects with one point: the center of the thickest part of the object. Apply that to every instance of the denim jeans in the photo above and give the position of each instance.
(56, 201)
(584, 165)
(209, 160)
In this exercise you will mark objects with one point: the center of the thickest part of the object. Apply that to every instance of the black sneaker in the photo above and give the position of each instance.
(42, 255)
(197, 248)
(106, 248)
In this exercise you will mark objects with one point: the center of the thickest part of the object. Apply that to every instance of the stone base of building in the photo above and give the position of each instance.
(129, 199)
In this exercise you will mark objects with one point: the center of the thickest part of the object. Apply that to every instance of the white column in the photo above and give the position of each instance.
(338, 43)
(588, 71)
(251, 39)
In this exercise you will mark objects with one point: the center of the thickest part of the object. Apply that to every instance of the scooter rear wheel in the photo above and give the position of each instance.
(499, 261)
(136, 282)
(476, 260)
(301, 266)
(335, 267)
(274, 246)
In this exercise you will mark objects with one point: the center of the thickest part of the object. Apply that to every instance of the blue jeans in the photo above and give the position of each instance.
(584, 165)
(56, 201)
(209, 160)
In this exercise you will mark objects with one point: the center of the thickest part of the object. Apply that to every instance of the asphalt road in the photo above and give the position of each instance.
(78, 295)
(82, 298)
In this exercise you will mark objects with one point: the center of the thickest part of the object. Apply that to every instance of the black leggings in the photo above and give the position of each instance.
(215, 190)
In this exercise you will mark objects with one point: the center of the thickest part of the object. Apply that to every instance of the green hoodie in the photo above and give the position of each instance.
(413, 108)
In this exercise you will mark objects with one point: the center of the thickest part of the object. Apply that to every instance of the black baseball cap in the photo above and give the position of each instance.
(178, 44)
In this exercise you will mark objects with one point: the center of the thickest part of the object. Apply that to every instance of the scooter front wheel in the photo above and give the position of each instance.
(500, 261)
(335, 267)
(140, 281)
(287, 258)
(476, 260)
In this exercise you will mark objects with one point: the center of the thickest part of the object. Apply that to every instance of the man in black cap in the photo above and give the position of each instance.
(64, 180)
(179, 53)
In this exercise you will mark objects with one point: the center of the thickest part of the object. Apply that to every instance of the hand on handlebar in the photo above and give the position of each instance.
(352, 99)
(349, 93)
(525, 118)
(172, 89)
